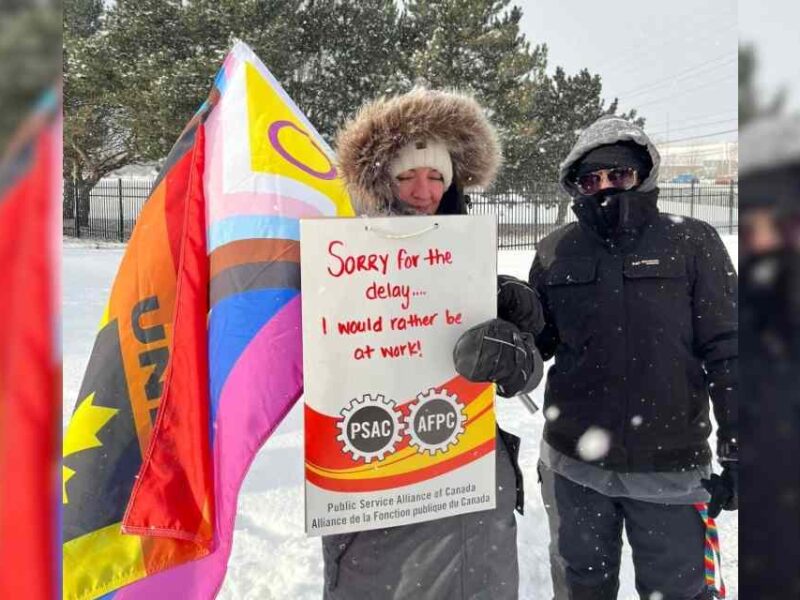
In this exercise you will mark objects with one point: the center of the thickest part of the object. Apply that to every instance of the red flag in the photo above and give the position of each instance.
(173, 495)
(29, 363)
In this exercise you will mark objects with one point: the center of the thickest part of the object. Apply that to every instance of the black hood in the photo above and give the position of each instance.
(606, 131)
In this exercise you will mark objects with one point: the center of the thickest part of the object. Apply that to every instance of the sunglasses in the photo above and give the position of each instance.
(623, 178)
(759, 226)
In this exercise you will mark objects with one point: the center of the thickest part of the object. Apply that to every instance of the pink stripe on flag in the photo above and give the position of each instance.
(231, 62)
(253, 402)
(259, 203)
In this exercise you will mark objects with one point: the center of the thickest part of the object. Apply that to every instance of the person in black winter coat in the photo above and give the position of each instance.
(411, 155)
(769, 537)
(641, 317)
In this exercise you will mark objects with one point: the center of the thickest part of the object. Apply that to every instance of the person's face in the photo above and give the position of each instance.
(620, 178)
(421, 189)
(760, 231)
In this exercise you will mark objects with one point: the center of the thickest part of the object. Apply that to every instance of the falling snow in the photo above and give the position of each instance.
(594, 444)
(272, 558)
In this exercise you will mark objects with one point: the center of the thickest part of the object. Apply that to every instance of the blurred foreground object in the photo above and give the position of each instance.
(30, 368)
(770, 359)
(30, 58)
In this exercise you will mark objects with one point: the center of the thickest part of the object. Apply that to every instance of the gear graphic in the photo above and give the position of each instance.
(362, 419)
(434, 409)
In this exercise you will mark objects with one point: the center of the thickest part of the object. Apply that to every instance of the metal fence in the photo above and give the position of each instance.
(529, 211)
(525, 212)
(107, 211)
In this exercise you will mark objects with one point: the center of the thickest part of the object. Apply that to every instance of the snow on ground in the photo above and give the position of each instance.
(272, 558)
(87, 275)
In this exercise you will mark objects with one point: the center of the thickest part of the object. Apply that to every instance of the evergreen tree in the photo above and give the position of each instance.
(752, 104)
(351, 53)
(91, 148)
(135, 75)
(164, 53)
(82, 18)
(94, 145)
(477, 46)
(149, 46)
(562, 107)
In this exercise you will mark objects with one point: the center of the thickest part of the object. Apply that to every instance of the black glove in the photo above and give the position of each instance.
(498, 351)
(724, 489)
(518, 303)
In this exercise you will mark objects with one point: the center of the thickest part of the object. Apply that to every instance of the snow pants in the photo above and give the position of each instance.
(667, 543)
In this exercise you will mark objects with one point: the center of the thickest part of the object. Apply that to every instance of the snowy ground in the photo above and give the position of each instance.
(272, 558)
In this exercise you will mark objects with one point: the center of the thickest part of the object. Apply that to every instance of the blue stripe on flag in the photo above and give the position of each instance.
(233, 324)
(221, 80)
(247, 227)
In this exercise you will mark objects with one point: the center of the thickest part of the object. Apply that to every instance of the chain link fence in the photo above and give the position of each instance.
(526, 212)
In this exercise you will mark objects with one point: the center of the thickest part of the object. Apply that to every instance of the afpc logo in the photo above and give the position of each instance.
(436, 421)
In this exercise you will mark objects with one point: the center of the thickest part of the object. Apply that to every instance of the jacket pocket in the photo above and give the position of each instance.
(569, 271)
(334, 547)
(659, 287)
(573, 299)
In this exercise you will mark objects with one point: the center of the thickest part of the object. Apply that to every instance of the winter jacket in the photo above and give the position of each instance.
(642, 321)
(770, 429)
(471, 556)
(770, 323)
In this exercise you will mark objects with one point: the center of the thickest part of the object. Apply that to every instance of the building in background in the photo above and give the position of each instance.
(716, 162)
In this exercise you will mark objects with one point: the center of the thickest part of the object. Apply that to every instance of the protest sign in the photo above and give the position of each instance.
(393, 434)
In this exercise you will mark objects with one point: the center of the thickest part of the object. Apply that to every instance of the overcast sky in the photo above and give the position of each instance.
(676, 61)
(772, 26)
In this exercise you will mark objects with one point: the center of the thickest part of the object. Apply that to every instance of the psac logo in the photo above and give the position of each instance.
(372, 426)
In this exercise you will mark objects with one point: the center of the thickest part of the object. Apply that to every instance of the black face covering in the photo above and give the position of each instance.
(608, 202)
(611, 213)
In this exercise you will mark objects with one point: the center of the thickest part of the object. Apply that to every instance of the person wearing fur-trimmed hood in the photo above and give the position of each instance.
(414, 154)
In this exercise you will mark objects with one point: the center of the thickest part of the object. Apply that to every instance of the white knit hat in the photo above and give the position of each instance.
(424, 153)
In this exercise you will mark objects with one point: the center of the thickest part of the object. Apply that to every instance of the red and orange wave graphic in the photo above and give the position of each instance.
(330, 468)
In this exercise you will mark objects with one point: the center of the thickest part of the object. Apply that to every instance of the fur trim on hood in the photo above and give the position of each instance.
(368, 143)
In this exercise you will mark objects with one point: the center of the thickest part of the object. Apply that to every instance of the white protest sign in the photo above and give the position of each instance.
(393, 435)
